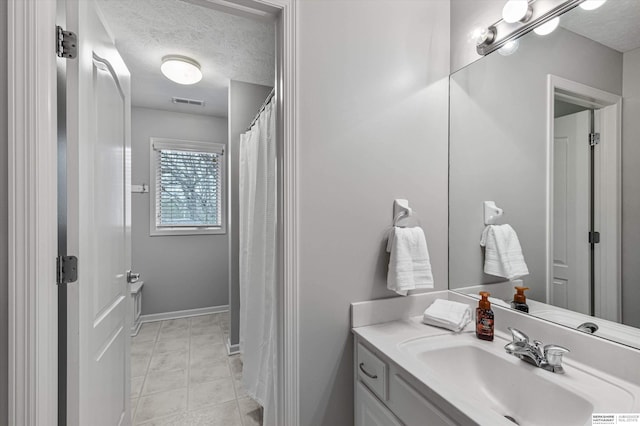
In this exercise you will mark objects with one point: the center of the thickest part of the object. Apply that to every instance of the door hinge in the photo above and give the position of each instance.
(66, 269)
(594, 237)
(594, 139)
(66, 43)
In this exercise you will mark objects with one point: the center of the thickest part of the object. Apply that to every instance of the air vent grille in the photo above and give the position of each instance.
(186, 101)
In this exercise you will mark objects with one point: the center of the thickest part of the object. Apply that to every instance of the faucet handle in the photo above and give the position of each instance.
(518, 336)
(553, 354)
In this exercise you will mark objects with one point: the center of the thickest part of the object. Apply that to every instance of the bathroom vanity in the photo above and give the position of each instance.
(388, 394)
(409, 373)
(537, 134)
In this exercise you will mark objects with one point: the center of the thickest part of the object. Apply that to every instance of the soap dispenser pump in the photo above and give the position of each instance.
(520, 300)
(484, 318)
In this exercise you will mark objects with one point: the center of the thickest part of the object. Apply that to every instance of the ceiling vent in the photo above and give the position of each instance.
(185, 101)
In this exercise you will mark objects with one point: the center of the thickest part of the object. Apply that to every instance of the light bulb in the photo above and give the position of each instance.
(181, 70)
(516, 10)
(477, 35)
(592, 4)
(483, 35)
(547, 27)
(509, 47)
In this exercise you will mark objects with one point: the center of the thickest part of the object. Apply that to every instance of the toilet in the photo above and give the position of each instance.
(135, 289)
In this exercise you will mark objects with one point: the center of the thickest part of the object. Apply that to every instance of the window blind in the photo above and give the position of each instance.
(188, 188)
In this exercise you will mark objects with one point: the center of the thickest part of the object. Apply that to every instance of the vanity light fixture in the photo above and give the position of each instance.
(519, 18)
(516, 11)
(547, 27)
(181, 70)
(592, 4)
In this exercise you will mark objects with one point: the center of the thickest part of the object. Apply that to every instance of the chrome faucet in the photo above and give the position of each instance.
(548, 357)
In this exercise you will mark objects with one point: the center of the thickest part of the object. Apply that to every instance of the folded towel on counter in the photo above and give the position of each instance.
(503, 254)
(447, 314)
(409, 264)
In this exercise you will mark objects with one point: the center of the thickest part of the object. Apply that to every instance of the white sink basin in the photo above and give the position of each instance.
(484, 373)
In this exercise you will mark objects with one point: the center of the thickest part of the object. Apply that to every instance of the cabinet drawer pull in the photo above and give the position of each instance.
(373, 376)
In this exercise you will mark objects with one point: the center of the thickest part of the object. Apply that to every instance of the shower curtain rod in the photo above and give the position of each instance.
(264, 104)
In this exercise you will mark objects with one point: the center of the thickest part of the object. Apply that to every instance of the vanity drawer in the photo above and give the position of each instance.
(372, 371)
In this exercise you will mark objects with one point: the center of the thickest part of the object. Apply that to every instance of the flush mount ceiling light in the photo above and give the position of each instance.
(516, 11)
(547, 27)
(592, 4)
(180, 69)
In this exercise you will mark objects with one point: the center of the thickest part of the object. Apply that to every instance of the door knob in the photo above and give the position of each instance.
(132, 277)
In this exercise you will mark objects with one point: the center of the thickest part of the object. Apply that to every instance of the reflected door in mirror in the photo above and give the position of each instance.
(571, 287)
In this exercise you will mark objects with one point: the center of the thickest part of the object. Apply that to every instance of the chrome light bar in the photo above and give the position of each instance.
(541, 11)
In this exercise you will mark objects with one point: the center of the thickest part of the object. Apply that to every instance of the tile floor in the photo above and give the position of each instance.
(181, 375)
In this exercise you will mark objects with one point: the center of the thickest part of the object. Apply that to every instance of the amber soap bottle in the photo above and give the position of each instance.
(484, 318)
(520, 300)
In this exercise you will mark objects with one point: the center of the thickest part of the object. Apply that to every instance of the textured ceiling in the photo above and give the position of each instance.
(227, 47)
(616, 24)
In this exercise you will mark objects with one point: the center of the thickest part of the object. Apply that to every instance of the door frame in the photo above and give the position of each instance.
(32, 211)
(608, 264)
(32, 207)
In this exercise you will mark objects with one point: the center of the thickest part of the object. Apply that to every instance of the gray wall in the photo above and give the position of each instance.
(631, 188)
(4, 234)
(244, 101)
(179, 272)
(466, 16)
(498, 144)
(372, 122)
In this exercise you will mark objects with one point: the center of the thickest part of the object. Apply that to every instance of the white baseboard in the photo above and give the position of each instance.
(136, 328)
(183, 314)
(232, 349)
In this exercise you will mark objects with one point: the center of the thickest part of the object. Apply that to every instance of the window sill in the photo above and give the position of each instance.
(168, 232)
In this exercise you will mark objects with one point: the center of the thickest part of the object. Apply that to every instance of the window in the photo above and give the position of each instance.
(187, 187)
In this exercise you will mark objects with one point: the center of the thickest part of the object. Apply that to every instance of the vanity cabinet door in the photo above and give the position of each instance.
(413, 408)
(370, 411)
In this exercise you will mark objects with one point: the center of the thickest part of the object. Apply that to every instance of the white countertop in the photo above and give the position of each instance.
(388, 336)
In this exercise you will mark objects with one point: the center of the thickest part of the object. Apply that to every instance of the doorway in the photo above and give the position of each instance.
(33, 106)
(175, 221)
(584, 187)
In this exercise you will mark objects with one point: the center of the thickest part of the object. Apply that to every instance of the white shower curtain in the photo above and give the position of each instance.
(258, 247)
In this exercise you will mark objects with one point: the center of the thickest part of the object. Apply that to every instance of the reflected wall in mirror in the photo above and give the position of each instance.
(520, 135)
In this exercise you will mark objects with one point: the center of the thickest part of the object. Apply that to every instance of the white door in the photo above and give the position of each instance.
(98, 99)
(371, 412)
(571, 193)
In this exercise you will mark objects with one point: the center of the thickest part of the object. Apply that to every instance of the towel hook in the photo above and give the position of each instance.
(401, 210)
(491, 212)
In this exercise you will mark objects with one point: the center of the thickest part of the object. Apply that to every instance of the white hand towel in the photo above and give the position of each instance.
(409, 265)
(448, 314)
(503, 254)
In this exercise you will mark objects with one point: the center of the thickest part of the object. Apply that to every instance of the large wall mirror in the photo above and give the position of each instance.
(549, 130)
